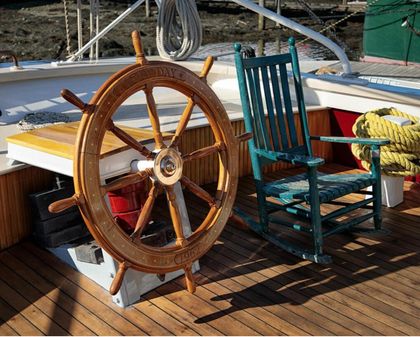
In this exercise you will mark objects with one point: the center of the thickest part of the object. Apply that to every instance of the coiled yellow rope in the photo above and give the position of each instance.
(402, 156)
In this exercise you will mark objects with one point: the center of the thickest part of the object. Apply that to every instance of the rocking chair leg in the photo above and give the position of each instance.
(377, 218)
(262, 207)
(376, 188)
(315, 211)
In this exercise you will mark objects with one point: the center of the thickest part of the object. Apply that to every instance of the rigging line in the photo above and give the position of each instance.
(317, 19)
(341, 20)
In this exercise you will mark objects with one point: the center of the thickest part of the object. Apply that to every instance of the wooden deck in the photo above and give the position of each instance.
(383, 73)
(246, 287)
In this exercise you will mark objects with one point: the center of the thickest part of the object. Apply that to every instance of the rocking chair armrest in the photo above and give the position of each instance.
(353, 140)
(292, 158)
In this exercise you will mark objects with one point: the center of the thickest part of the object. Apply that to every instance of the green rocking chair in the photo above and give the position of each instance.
(267, 107)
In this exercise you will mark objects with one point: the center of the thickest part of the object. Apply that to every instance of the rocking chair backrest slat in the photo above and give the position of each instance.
(270, 109)
(288, 105)
(255, 111)
(279, 107)
(264, 86)
(299, 97)
(260, 112)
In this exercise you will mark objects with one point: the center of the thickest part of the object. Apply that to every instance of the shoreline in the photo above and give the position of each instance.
(35, 30)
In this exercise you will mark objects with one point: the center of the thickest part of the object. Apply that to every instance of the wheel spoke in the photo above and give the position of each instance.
(126, 180)
(175, 216)
(185, 118)
(200, 192)
(145, 212)
(154, 118)
(129, 140)
(204, 152)
(189, 279)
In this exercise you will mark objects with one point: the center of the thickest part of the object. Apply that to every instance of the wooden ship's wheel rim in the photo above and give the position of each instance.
(165, 166)
(87, 178)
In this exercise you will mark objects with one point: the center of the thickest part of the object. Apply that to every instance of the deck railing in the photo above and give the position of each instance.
(336, 49)
(249, 4)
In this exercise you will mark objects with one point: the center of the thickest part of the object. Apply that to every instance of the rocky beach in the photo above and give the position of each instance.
(36, 29)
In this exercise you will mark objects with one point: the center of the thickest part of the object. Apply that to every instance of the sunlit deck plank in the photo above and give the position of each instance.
(95, 298)
(194, 304)
(104, 321)
(327, 281)
(355, 261)
(296, 277)
(22, 280)
(6, 330)
(245, 286)
(29, 310)
(256, 325)
(273, 318)
(216, 291)
(17, 321)
(180, 313)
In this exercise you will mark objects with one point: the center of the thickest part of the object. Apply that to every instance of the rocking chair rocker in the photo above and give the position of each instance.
(264, 89)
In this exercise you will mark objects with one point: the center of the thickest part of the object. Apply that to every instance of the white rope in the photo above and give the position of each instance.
(66, 24)
(178, 39)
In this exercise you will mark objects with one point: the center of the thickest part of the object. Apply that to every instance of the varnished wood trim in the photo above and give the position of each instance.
(15, 209)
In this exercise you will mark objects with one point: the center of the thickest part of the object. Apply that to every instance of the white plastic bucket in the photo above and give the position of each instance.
(392, 190)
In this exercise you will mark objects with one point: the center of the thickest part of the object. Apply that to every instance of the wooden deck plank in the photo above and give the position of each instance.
(81, 315)
(245, 286)
(144, 324)
(175, 327)
(43, 303)
(218, 292)
(322, 281)
(276, 317)
(339, 318)
(103, 317)
(291, 296)
(313, 321)
(281, 312)
(29, 311)
(389, 279)
(390, 313)
(301, 293)
(6, 330)
(134, 315)
(17, 321)
(227, 325)
(180, 314)
(300, 277)
(244, 317)
(361, 262)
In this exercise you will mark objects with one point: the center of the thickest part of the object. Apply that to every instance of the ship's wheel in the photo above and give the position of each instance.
(161, 168)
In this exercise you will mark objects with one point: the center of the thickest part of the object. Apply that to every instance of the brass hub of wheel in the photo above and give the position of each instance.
(167, 166)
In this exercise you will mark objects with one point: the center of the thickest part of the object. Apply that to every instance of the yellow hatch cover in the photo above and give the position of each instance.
(59, 139)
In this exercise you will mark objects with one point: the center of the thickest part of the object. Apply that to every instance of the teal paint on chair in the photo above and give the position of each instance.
(264, 88)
